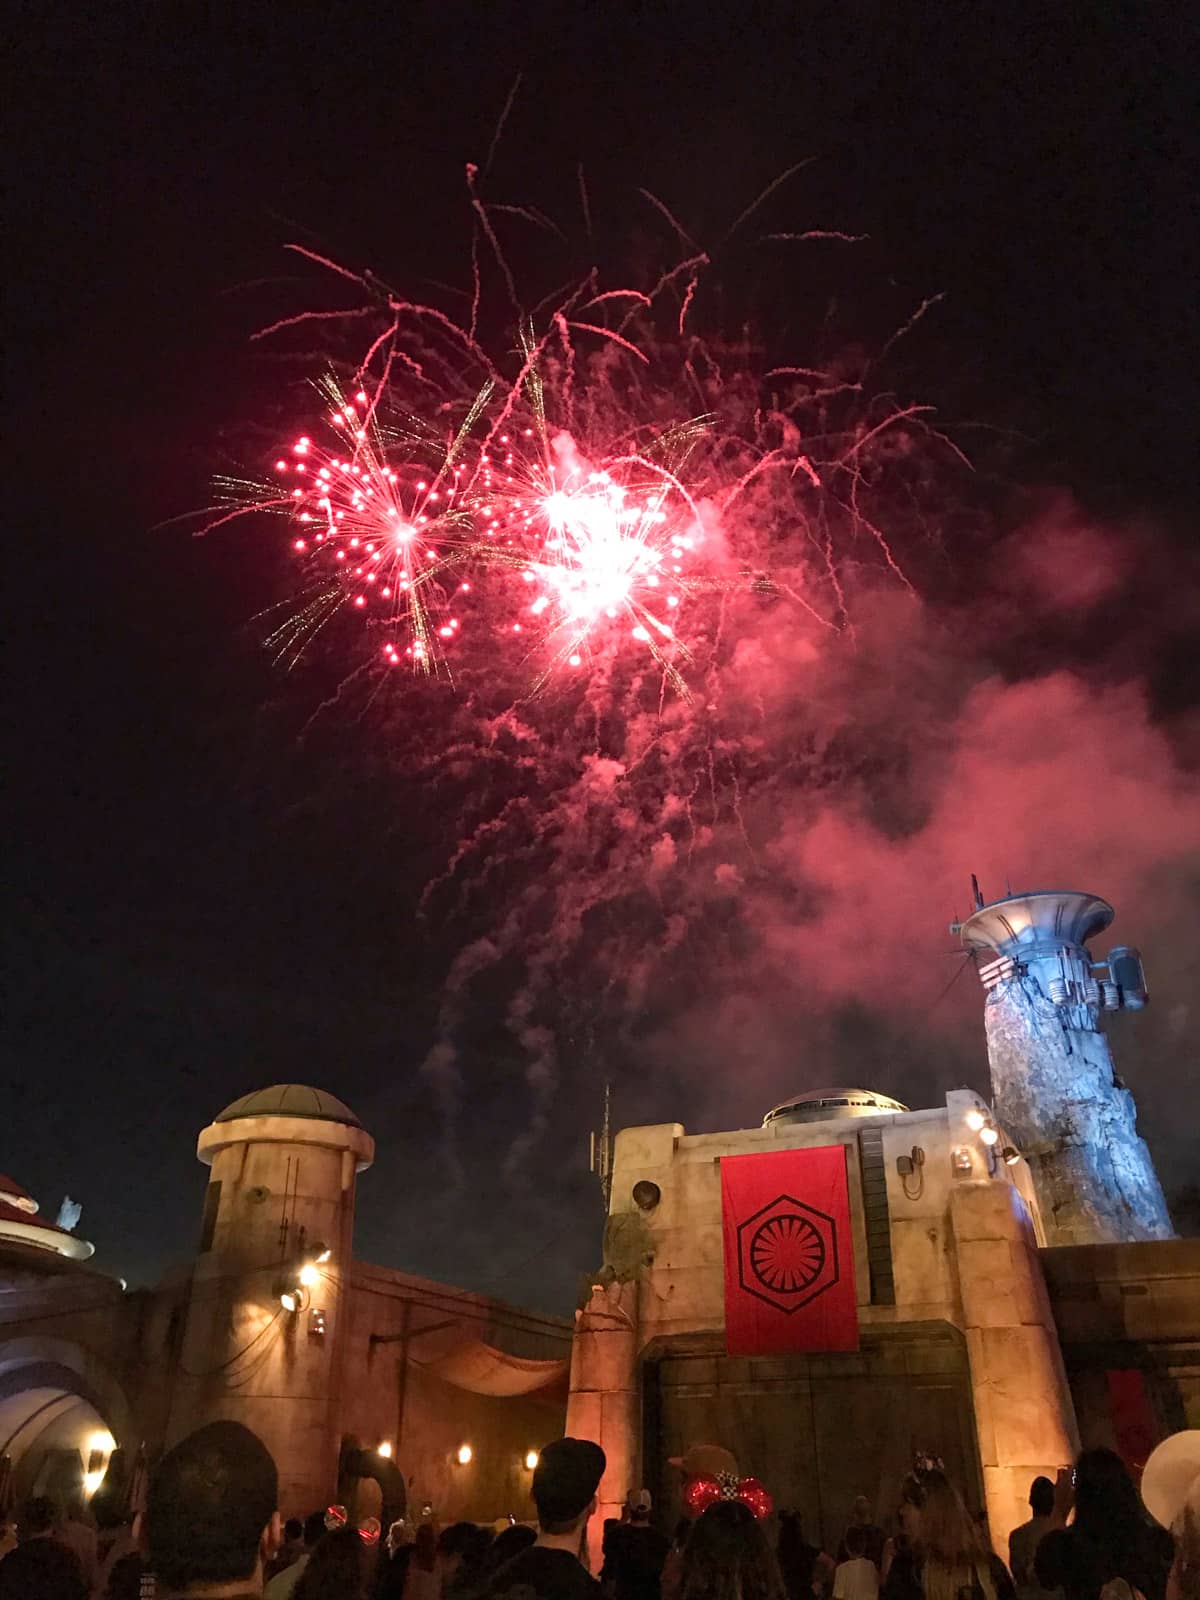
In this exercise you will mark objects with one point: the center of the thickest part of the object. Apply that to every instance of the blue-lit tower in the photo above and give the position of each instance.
(1054, 1089)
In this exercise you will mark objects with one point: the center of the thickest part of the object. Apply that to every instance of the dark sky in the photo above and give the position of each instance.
(185, 923)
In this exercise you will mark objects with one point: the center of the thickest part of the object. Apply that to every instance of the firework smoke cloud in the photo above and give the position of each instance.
(668, 630)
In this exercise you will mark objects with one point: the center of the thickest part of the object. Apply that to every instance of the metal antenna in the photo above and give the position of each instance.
(600, 1158)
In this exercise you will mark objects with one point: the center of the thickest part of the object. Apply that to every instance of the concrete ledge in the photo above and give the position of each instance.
(219, 1136)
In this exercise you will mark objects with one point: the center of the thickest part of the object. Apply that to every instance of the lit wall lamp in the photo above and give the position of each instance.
(384, 1449)
(100, 1447)
(464, 1455)
(1011, 1156)
(531, 1460)
(975, 1119)
(989, 1135)
(293, 1297)
(294, 1288)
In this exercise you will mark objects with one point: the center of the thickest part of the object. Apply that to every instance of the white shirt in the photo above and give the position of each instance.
(856, 1580)
(282, 1584)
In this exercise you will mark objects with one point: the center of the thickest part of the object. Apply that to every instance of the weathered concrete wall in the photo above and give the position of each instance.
(120, 1353)
(387, 1397)
(606, 1402)
(675, 1251)
(215, 1341)
(1129, 1307)
(1056, 1093)
(1023, 1411)
(963, 1253)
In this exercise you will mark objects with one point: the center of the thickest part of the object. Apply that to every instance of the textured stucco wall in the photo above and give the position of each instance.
(964, 1252)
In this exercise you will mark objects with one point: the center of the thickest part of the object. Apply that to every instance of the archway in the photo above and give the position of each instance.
(62, 1423)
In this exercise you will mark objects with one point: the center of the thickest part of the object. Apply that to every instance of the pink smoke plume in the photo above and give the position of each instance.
(699, 845)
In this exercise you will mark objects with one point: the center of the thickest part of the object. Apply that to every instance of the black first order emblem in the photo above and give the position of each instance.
(787, 1254)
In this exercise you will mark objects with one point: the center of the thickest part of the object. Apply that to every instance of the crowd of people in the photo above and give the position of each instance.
(211, 1531)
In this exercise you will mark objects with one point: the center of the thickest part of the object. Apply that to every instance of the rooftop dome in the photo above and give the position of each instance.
(823, 1105)
(290, 1100)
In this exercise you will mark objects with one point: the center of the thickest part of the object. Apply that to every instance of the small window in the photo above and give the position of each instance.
(212, 1204)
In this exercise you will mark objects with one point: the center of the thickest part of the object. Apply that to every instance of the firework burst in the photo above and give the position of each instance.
(657, 529)
(384, 519)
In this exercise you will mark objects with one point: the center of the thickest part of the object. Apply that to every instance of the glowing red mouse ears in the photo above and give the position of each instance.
(706, 1488)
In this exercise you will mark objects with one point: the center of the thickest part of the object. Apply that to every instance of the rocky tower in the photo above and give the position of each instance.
(1054, 1088)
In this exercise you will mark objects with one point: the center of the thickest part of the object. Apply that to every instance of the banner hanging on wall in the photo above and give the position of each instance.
(789, 1260)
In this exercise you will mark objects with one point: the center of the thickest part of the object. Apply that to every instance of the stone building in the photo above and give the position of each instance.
(368, 1385)
(1014, 1285)
(1018, 1292)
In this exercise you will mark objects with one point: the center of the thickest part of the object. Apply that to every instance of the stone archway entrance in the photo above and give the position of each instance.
(62, 1424)
(816, 1429)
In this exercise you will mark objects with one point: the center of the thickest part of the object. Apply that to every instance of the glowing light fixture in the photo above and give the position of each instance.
(309, 1276)
(1011, 1156)
(324, 1254)
(103, 1443)
(531, 1460)
(989, 1135)
(975, 1120)
(464, 1455)
(289, 1300)
(384, 1448)
(92, 1480)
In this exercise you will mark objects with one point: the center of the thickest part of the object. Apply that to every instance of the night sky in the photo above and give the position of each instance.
(196, 905)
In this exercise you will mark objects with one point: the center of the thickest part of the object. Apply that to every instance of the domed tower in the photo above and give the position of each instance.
(1055, 1091)
(265, 1326)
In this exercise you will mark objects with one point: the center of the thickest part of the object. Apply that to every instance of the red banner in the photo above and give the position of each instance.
(789, 1261)
(1132, 1417)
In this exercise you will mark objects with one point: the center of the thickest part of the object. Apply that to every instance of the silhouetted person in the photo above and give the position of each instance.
(797, 1558)
(290, 1550)
(392, 1572)
(507, 1544)
(860, 1517)
(1023, 1541)
(634, 1552)
(942, 1552)
(728, 1557)
(565, 1481)
(79, 1535)
(1111, 1537)
(422, 1581)
(857, 1577)
(41, 1568)
(211, 1514)
(336, 1569)
(280, 1587)
(462, 1550)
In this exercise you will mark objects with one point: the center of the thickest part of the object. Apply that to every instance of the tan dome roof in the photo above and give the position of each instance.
(290, 1100)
